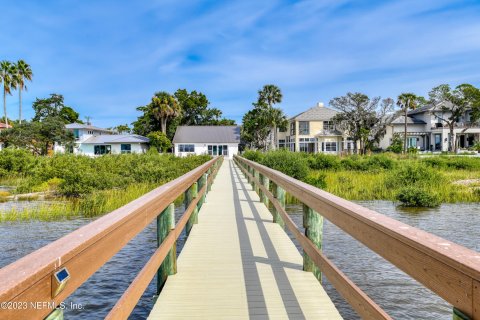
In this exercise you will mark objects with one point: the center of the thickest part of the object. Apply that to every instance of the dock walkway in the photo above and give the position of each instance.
(238, 264)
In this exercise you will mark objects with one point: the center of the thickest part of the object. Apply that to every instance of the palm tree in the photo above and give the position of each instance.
(7, 76)
(24, 72)
(277, 119)
(270, 95)
(406, 101)
(164, 106)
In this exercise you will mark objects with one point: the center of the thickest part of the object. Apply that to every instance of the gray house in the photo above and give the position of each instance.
(212, 140)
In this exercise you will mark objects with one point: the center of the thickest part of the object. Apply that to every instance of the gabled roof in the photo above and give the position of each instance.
(120, 138)
(207, 134)
(410, 120)
(315, 113)
(85, 126)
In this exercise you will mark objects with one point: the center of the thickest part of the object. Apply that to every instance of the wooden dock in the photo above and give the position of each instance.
(238, 264)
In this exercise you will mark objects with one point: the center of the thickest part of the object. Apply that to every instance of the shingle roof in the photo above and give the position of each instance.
(205, 134)
(85, 126)
(410, 120)
(120, 138)
(315, 113)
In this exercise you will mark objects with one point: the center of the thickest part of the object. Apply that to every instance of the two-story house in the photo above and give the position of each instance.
(94, 141)
(427, 130)
(314, 131)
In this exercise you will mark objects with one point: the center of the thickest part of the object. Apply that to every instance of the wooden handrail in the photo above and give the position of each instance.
(85, 250)
(449, 270)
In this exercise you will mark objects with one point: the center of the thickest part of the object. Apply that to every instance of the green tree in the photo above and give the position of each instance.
(39, 137)
(164, 107)
(450, 105)
(54, 107)
(159, 140)
(406, 102)
(8, 78)
(24, 73)
(255, 127)
(362, 118)
(268, 96)
(123, 128)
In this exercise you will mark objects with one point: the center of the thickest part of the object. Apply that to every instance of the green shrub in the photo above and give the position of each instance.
(317, 179)
(412, 196)
(321, 161)
(396, 146)
(253, 155)
(291, 163)
(413, 173)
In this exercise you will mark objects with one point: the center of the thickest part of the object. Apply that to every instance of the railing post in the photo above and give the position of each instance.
(279, 194)
(56, 314)
(264, 181)
(209, 185)
(202, 182)
(459, 315)
(165, 223)
(313, 224)
(191, 194)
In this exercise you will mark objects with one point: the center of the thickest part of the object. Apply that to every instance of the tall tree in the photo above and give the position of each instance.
(54, 107)
(268, 96)
(450, 105)
(164, 107)
(24, 73)
(406, 102)
(362, 118)
(7, 77)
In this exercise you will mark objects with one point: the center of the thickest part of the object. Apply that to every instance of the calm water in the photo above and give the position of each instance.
(400, 296)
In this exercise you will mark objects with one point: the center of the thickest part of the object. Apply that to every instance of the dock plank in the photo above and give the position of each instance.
(238, 264)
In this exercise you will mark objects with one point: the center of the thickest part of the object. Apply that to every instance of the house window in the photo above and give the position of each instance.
(102, 149)
(330, 146)
(186, 148)
(412, 142)
(438, 141)
(328, 126)
(281, 143)
(307, 145)
(292, 128)
(126, 148)
(217, 150)
(76, 133)
(304, 127)
(90, 132)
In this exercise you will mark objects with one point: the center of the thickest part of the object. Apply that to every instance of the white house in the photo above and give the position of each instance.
(93, 141)
(212, 140)
(426, 130)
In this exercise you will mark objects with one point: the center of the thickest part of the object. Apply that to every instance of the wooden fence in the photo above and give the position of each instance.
(449, 270)
(29, 280)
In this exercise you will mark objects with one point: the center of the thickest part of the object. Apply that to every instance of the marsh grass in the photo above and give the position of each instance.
(384, 176)
(86, 187)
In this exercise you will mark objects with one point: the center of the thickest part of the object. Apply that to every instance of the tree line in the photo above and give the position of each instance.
(364, 119)
(14, 76)
(165, 112)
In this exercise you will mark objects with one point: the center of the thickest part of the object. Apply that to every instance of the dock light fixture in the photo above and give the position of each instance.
(59, 281)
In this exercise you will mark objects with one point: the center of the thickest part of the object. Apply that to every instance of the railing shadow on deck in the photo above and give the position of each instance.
(449, 270)
(252, 278)
(52, 273)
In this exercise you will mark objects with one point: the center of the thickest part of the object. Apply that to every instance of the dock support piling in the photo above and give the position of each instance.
(313, 224)
(166, 223)
(191, 194)
(202, 182)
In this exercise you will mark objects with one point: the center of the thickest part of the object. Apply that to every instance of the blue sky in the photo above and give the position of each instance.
(108, 57)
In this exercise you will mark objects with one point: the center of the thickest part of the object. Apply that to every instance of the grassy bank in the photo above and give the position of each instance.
(84, 186)
(411, 180)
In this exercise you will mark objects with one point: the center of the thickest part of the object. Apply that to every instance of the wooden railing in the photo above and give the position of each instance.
(28, 281)
(449, 270)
